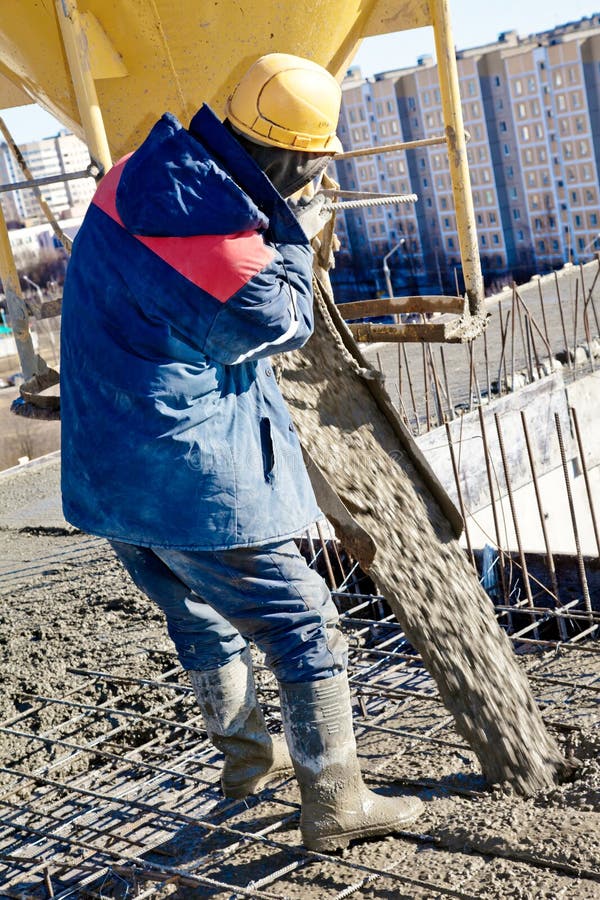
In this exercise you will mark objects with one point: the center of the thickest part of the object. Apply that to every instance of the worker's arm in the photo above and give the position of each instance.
(272, 313)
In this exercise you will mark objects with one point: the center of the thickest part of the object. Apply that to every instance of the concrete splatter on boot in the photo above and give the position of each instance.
(237, 728)
(337, 807)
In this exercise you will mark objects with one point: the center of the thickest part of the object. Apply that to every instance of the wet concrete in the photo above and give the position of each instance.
(419, 566)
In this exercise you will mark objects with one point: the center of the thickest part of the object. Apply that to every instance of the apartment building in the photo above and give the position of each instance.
(532, 110)
(51, 156)
(370, 116)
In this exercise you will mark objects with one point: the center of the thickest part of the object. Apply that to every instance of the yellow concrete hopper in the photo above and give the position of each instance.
(109, 68)
(148, 56)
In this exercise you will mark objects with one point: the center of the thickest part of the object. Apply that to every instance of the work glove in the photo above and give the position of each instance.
(313, 214)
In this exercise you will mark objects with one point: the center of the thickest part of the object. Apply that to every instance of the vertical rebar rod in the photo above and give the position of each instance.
(475, 376)
(532, 377)
(534, 323)
(562, 321)
(411, 389)
(531, 343)
(512, 338)
(399, 370)
(588, 335)
(437, 387)
(565, 466)
(543, 308)
(511, 500)
(541, 513)
(490, 477)
(504, 332)
(504, 340)
(575, 313)
(526, 352)
(487, 365)
(459, 492)
(470, 363)
(426, 385)
(325, 552)
(447, 383)
(403, 410)
(592, 297)
(586, 477)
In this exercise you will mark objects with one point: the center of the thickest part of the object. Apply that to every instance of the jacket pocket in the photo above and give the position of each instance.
(267, 449)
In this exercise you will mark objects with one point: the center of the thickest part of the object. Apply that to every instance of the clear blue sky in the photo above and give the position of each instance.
(474, 23)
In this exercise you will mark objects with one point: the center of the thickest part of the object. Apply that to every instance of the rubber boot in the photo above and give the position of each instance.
(337, 807)
(237, 728)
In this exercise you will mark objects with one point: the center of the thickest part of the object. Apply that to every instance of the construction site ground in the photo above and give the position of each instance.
(109, 787)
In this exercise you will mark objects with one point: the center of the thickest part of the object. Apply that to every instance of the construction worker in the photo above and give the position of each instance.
(189, 271)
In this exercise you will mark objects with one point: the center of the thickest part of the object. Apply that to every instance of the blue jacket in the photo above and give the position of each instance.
(189, 270)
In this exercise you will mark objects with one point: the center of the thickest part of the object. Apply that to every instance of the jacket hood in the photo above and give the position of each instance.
(172, 186)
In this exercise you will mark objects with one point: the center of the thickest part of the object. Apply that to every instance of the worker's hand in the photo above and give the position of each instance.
(313, 214)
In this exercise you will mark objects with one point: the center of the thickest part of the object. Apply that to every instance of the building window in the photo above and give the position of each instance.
(518, 87)
(506, 150)
(495, 239)
(450, 243)
(516, 214)
(502, 126)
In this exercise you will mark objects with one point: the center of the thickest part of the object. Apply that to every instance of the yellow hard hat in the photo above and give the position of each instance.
(287, 101)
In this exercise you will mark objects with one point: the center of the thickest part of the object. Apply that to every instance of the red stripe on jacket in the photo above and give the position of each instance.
(219, 264)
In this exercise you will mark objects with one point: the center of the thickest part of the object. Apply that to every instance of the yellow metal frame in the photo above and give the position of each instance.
(107, 71)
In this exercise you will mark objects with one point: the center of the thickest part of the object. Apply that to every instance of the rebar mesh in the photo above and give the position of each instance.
(112, 788)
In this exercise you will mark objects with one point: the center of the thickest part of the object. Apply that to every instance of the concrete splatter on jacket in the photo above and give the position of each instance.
(189, 270)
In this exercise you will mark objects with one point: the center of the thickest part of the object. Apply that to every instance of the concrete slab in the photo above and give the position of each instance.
(30, 496)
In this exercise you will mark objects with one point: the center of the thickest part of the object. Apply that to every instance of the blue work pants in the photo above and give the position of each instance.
(216, 601)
